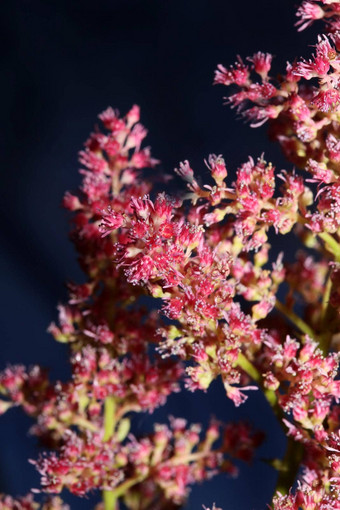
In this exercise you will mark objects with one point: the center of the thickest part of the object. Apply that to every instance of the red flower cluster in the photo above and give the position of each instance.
(161, 465)
(208, 259)
(115, 371)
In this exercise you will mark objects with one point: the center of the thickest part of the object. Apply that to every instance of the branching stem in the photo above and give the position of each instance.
(109, 497)
(295, 319)
(252, 371)
(331, 244)
(289, 466)
(109, 418)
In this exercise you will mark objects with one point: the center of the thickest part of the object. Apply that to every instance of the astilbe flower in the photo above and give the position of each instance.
(309, 12)
(197, 285)
(111, 337)
(160, 465)
(302, 117)
(207, 257)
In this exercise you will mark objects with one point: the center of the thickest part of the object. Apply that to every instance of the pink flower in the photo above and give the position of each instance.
(262, 63)
(110, 221)
(327, 100)
(308, 12)
(237, 74)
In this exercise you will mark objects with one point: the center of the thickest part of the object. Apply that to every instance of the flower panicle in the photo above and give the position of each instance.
(208, 260)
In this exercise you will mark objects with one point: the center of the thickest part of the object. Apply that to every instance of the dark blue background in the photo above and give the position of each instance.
(63, 62)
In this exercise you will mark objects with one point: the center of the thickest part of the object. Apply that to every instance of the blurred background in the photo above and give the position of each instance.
(62, 63)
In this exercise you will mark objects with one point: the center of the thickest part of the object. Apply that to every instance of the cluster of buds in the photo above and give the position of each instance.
(159, 466)
(208, 259)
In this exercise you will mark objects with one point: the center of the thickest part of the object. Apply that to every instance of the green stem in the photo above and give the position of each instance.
(109, 418)
(289, 466)
(331, 244)
(86, 424)
(325, 301)
(177, 461)
(109, 497)
(123, 487)
(295, 319)
(252, 371)
(327, 314)
(109, 500)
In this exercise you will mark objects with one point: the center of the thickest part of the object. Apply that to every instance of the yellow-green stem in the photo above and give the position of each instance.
(289, 466)
(325, 301)
(331, 244)
(86, 424)
(252, 371)
(295, 319)
(327, 312)
(123, 487)
(177, 461)
(109, 497)
(109, 417)
(109, 500)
